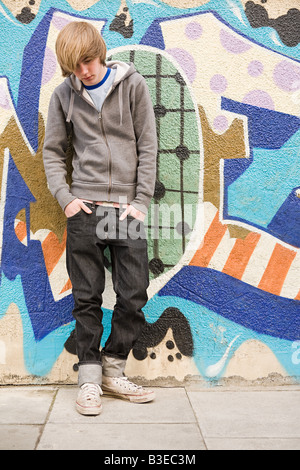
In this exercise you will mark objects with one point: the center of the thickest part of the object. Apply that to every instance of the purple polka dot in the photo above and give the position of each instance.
(4, 101)
(233, 44)
(193, 30)
(59, 22)
(49, 66)
(255, 68)
(286, 75)
(186, 61)
(221, 123)
(218, 83)
(260, 99)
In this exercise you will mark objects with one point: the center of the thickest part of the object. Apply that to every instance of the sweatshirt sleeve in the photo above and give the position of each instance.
(54, 153)
(146, 138)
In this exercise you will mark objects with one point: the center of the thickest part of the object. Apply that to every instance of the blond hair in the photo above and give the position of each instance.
(77, 42)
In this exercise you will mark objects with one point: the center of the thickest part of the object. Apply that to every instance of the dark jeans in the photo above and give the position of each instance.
(88, 235)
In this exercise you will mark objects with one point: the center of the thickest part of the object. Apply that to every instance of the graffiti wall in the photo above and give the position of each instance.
(224, 224)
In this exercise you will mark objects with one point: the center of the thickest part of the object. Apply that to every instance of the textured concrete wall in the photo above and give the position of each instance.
(224, 224)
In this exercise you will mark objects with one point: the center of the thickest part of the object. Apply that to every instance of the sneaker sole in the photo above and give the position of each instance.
(132, 398)
(88, 411)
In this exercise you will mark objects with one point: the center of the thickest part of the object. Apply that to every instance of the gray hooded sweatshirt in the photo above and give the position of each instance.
(114, 157)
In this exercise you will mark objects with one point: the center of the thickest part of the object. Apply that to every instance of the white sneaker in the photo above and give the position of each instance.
(88, 400)
(120, 387)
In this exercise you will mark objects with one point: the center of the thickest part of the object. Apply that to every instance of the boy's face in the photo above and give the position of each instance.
(90, 72)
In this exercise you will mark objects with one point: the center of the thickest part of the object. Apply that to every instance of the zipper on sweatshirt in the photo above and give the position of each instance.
(104, 135)
(109, 155)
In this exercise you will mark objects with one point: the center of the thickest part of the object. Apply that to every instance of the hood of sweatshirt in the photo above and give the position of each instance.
(123, 71)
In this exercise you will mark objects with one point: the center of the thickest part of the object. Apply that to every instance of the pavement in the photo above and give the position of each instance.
(181, 420)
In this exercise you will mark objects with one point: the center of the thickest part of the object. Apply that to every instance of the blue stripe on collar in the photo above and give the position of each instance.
(92, 87)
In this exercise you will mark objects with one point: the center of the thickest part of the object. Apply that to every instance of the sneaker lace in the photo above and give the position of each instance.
(91, 392)
(127, 384)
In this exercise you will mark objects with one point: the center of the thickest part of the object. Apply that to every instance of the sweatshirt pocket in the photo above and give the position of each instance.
(124, 163)
(93, 165)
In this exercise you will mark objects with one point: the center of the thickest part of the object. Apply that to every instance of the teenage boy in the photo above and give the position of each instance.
(106, 108)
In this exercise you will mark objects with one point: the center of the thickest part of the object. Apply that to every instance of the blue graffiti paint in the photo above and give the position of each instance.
(28, 261)
(255, 189)
(267, 129)
(237, 301)
(213, 333)
(285, 225)
(39, 355)
(231, 13)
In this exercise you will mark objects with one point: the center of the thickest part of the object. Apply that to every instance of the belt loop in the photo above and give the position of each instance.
(94, 204)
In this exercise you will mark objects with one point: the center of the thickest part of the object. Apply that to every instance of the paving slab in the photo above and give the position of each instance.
(248, 415)
(166, 423)
(122, 436)
(171, 405)
(19, 436)
(25, 405)
(23, 414)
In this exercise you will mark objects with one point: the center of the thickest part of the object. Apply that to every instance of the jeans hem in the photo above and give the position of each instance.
(90, 372)
(113, 366)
